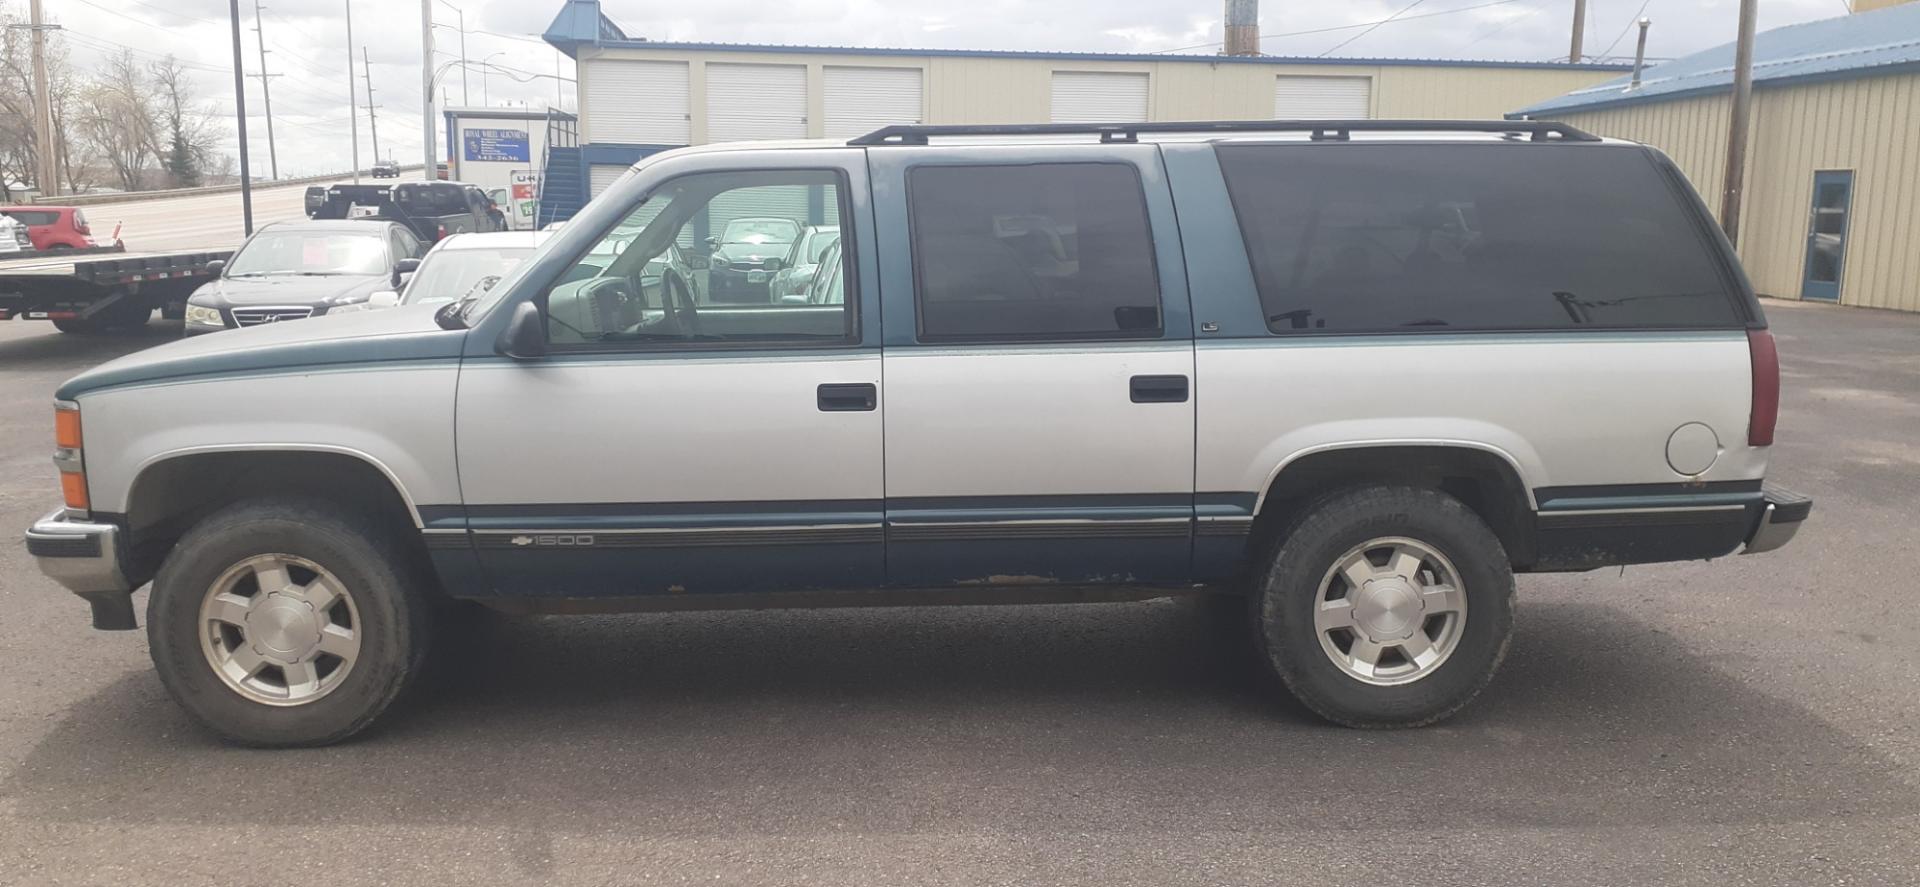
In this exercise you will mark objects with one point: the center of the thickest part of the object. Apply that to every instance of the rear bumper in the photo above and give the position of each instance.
(84, 556)
(1780, 519)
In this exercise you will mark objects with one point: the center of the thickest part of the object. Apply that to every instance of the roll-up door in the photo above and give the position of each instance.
(1322, 98)
(756, 102)
(600, 175)
(637, 103)
(1099, 97)
(861, 100)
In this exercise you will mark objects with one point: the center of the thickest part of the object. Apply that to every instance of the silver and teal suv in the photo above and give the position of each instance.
(1341, 379)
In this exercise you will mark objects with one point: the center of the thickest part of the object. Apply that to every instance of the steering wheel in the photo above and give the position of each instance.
(682, 315)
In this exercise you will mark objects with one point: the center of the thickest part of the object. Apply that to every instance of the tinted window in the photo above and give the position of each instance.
(633, 288)
(33, 217)
(1049, 251)
(274, 252)
(1348, 238)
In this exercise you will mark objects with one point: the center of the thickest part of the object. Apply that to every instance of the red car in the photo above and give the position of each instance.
(53, 227)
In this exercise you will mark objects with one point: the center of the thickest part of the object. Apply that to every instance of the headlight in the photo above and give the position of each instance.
(204, 315)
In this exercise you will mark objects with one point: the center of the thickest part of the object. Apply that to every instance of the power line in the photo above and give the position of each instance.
(1404, 10)
(1623, 31)
(1336, 28)
(1530, 10)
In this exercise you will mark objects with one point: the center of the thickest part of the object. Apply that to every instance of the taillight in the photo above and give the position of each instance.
(1765, 410)
(80, 223)
(67, 457)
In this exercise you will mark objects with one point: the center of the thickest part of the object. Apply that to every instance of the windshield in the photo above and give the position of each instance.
(759, 231)
(311, 252)
(446, 275)
(813, 249)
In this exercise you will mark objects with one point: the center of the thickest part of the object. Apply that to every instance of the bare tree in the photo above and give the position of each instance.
(189, 133)
(118, 116)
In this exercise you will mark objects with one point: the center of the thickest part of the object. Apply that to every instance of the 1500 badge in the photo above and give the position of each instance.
(570, 541)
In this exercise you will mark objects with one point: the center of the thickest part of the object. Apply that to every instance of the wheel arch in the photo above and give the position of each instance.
(173, 490)
(1487, 478)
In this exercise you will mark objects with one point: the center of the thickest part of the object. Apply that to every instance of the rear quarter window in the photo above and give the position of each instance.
(1402, 238)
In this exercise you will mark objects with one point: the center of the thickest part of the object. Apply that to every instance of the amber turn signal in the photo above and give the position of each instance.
(73, 485)
(66, 429)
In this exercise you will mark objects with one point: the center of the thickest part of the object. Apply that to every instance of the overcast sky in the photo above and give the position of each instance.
(307, 43)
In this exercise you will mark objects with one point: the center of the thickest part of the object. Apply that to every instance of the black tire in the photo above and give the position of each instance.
(390, 592)
(1327, 530)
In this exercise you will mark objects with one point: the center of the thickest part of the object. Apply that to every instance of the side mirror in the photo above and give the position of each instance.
(216, 266)
(525, 337)
(794, 299)
(713, 243)
(383, 299)
(699, 263)
(774, 264)
(404, 267)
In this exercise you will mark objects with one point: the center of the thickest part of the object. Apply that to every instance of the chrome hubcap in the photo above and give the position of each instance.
(1390, 611)
(279, 629)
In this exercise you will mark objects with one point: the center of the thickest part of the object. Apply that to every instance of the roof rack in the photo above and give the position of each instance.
(1322, 130)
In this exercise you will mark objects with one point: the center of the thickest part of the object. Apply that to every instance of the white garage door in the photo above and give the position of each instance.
(1099, 97)
(600, 175)
(1322, 98)
(637, 103)
(861, 100)
(756, 102)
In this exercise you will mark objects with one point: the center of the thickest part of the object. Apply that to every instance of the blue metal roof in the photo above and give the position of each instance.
(1865, 44)
(581, 23)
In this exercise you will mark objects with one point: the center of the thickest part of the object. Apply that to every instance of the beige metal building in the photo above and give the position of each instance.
(639, 96)
(1832, 203)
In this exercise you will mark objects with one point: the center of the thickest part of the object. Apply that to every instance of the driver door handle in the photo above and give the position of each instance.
(856, 397)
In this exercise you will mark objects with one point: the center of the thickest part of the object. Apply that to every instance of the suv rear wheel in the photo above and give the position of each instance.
(1386, 607)
(284, 623)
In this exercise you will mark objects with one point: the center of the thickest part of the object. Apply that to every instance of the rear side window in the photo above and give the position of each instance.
(1396, 238)
(1042, 252)
(34, 217)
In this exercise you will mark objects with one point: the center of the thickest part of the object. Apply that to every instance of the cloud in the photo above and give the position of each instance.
(306, 42)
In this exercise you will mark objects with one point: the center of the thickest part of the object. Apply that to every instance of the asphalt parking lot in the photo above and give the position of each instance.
(1749, 721)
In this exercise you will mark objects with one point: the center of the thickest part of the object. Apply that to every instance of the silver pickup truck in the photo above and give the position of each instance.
(1342, 380)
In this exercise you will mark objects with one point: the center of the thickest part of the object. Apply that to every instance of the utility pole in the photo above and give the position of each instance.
(240, 119)
(1640, 53)
(464, 99)
(353, 116)
(1579, 31)
(48, 174)
(266, 93)
(430, 173)
(1737, 122)
(373, 124)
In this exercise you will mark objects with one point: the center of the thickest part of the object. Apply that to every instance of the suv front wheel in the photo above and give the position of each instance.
(1386, 607)
(287, 623)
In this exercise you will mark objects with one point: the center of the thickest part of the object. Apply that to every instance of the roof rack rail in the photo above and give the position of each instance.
(1322, 130)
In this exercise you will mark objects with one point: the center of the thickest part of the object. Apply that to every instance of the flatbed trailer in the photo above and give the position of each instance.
(102, 289)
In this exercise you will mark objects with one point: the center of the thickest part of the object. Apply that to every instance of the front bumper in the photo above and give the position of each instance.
(84, 556)
(1780, 519)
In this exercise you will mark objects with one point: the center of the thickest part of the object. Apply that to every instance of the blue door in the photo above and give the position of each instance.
(1827, 235)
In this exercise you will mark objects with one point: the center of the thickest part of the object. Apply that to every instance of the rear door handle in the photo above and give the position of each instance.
(855, 397)
(1158, 389)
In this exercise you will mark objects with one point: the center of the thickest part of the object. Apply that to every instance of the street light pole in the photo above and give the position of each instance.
(484, 99)
(431, 172)
(353, 111)
(240, 120)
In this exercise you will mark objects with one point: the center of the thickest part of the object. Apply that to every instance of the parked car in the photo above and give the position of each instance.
(745, 255)
(454, 267)
(385, 169)
(53, 228)
(14, 239)
(1433, 357)
(294, 270)
(805, 256)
